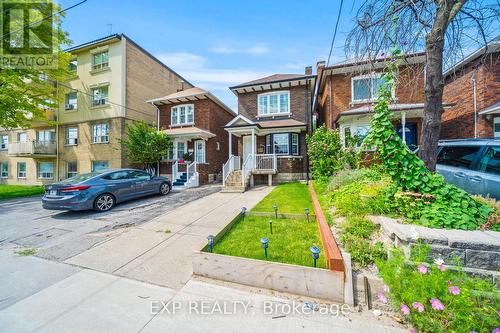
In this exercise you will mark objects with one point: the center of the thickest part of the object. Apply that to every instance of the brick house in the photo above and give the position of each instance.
(473, 87)
(347, 92)
(194, 119)
(274, 116)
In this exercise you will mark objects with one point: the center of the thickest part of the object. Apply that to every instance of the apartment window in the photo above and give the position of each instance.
(71, 101)
(199, 151)
(100, 60)
(282, 144)
(274, 103)
(46, 136)
(72, 169)
(4, 170)
(99, 165)
(100, 133)
(4, 141)
(72, 65)
(22, 137)
(21, 170)
(100, 96)
(72, 136)
(365, 88)
(45, 170)
(182, 115)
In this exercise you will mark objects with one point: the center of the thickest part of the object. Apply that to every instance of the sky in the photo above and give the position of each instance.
(217, 44)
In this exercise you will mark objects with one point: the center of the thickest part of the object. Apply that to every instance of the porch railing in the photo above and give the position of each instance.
(175, 171)
(247, 168)
(32, 148)
(232, 164)
(265, 162)
(192, 175)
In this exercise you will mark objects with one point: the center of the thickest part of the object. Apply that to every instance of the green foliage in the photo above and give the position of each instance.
(26, 252)
(145, 145)
(327, 155)
(28, 94)
(291, 198)
(451, 207)
(15, 191)
(473, 309)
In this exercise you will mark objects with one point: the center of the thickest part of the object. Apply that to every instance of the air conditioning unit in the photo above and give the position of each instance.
(96, 102)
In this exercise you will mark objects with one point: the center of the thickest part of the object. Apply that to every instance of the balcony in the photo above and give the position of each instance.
(33, 148)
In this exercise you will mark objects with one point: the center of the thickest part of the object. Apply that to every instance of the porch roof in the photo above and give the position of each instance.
(189, 133)
(416, 108)
(493, 109)
(243, 125)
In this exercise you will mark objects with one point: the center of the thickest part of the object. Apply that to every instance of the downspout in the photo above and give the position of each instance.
(307, 129)
(57, 131)
(158, 129)
(473, 79)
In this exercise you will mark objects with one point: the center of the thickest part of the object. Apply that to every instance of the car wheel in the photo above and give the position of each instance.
(164, 188)
(104, 202)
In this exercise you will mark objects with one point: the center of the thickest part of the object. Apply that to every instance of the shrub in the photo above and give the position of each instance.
(348, 176)
(449, 301)
(326, 153)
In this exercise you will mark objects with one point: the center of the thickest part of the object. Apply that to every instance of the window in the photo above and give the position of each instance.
(45, 170)
(99, 165)
(181, 150)
(100, 60)
(4, 170)
(4, 141)
(353, 135)
(21, 170)
(182, 115)
(100, 96)
(274, 103)
(365, 88)
(22, 137)
(283, 144)
(100, 133)
(491, 161)
(496, 127)
(199, 151)
(46, 136)
(72, 135)
(72, 169)
(460, 157)
(71, 101)
(72, 65)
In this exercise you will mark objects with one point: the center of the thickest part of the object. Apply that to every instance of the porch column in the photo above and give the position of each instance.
(403, 126)
(253, 147)
(230, 144)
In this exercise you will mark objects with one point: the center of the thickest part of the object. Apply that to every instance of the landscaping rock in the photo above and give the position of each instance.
(476, 240)
(448, 254)
(482, 259)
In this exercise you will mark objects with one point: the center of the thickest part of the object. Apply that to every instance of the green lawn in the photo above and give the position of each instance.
(15, 191)
(291, 198)
(289, 243)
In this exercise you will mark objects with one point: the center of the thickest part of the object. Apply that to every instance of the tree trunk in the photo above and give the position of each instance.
(433, 105)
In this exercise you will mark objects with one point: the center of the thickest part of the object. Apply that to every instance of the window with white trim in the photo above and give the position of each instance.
(99, 166)
(100, 95)
(496, 127)
(22, 137)
(182, 115)
(100, 133)
(46, 136)
(274, 103)
(45, 170)
(4, 170)
(199, 151)
(71, 101)
(4, 141)
(21, 169)
(177, 151)
(365, 88)
(72, 136)
(72, 169)
(283, 144)
(100, 60)
(353, 135)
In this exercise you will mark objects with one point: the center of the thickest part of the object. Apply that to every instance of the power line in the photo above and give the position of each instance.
(335, 32)
(45, 18)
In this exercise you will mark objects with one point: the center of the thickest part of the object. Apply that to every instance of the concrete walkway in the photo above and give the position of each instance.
(159, 251)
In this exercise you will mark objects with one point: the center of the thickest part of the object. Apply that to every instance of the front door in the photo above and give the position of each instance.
(410, 135)
(247, 147)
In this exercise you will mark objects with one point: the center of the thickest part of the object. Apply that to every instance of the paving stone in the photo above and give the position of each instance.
(482, 259)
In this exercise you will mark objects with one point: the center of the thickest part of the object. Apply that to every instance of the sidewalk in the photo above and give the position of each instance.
(159, 251)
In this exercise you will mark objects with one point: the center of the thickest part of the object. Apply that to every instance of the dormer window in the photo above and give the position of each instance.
(365, 87)
(182, 115)
(274, 103)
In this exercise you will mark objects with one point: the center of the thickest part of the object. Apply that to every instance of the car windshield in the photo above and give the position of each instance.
(81, 178)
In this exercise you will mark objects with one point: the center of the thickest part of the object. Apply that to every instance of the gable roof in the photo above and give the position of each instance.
(492, 47)
(274, 81)
(240, 120)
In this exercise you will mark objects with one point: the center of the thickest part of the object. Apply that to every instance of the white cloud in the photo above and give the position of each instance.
(182, 60)
(231, 49)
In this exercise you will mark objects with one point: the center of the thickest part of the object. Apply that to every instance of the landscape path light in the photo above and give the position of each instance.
(307, 213)
(315, 253)
(271, 226)
(265, 244)
(211, 242)
(243, 211)
(275, 207)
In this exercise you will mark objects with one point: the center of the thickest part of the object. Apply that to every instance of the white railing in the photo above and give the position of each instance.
(175, 171)
(32, 147)
(265, 162)
(232, 164)
(247, 168)
(192, 175)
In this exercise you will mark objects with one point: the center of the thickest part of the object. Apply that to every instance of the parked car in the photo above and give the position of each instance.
(471, 164)
(102, 190)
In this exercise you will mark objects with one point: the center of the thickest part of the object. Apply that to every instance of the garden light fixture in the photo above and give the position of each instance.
(306, 211)
(275, 207)
(265, 244)
(271, 226)
(315, 253)
(211, 242)
(243, 211)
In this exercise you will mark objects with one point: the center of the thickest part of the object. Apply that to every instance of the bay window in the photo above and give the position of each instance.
(283, 144)
(365, 88)
(182, 115)
(274, 103)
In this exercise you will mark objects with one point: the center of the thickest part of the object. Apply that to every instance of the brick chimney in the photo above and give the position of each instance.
(182, 86)
(320, 65)
(308, 70)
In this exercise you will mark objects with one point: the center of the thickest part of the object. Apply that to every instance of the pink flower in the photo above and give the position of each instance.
(454, 290)
(418, 306)
(385, 288)
(412, 331)
(405, 309)
(381, 297)
(437, 305)
(422, 269)
(496, 330)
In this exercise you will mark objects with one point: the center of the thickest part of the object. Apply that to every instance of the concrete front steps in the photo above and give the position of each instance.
(233, 183)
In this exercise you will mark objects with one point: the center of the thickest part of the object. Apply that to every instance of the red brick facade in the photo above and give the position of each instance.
(458, 121)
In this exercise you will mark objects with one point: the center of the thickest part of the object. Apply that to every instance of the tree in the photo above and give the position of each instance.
(26, 94)
(145, 145)
(446, 29)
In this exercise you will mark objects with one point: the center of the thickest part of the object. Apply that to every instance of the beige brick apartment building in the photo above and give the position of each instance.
(113, 77)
